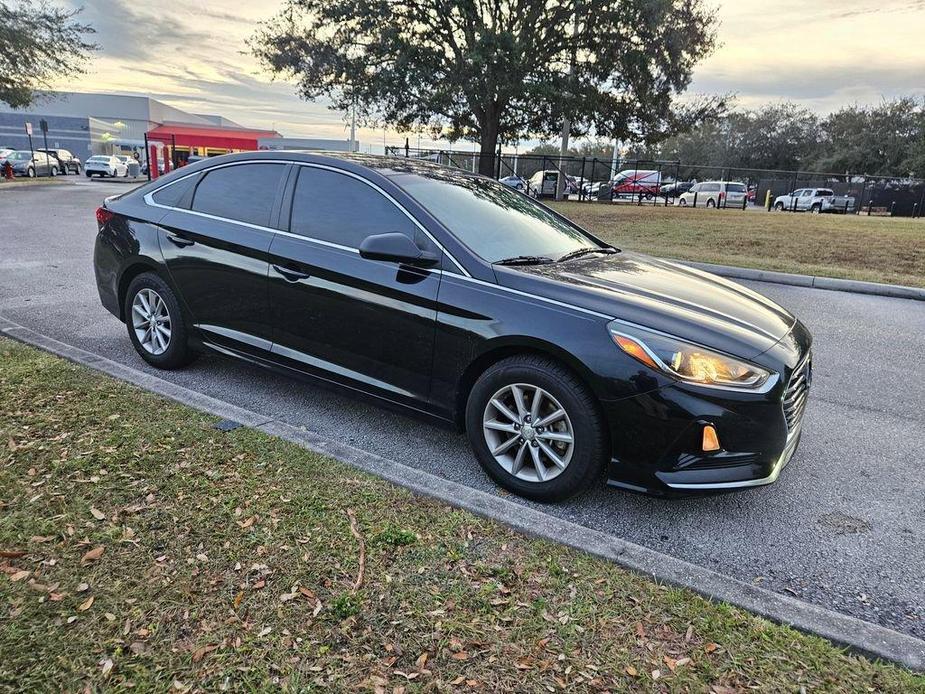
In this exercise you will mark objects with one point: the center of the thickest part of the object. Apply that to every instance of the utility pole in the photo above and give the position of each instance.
(353, 126)
(615, 159)
(566, 119)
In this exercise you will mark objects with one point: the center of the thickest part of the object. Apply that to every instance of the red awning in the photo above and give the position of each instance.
(209, 136)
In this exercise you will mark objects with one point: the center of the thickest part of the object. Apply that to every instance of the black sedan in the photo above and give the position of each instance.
(456, 297)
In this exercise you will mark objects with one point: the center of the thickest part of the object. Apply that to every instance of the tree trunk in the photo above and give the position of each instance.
(488, 149)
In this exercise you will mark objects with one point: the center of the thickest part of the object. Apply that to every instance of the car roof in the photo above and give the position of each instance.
(348, 161)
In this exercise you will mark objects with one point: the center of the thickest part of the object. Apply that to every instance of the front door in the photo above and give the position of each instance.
(364, 323)
(215, 240)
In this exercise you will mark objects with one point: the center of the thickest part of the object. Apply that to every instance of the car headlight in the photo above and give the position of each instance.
(687, 362)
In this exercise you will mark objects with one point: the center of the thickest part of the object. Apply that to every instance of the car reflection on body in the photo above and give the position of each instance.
(451, 295)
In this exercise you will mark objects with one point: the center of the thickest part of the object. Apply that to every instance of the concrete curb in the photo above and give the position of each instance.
(896, 291)
(860, 636)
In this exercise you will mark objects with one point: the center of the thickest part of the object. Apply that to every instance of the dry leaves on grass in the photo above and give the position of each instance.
(93, 554)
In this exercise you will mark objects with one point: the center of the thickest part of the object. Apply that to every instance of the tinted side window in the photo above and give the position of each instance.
(244, 192)
(173, 195)
(340, 209)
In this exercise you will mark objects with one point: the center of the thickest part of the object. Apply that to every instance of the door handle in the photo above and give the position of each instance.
(179, 240)
(291, 275)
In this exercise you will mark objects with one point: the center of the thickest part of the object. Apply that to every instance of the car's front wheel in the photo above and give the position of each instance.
(536, 429)
(155, 324)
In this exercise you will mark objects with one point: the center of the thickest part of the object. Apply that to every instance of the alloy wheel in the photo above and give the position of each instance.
(528, 432)
(151, 321)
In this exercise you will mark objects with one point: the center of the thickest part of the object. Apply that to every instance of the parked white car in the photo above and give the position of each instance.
(714, 193)
(103, 165)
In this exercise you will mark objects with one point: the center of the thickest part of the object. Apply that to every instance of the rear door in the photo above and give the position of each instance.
(215, 239)
(365, 323)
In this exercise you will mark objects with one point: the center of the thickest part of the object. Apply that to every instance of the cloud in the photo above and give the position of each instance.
(127, 32)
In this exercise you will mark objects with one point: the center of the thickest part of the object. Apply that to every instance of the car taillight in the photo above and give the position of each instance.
(103, 216)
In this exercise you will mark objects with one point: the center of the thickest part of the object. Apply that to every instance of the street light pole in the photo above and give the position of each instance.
(566, 120)
(353, 126)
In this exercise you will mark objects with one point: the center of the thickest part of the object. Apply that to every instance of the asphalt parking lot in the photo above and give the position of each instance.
(844, 527)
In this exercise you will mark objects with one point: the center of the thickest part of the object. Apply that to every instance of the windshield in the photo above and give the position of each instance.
(493, 220)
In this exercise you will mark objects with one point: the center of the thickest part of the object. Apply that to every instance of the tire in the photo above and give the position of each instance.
(711, 202)
(176, 352)
(30, 172)
(683, 202)
(583, 459)
(54, 171)
(779, 206)
(816, 209)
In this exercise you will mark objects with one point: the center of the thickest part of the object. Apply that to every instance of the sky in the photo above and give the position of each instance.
(192, 55)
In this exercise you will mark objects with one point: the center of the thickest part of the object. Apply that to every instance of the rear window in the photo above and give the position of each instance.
(174, 194)
(824, 192)
(735, 188)
(243, 192)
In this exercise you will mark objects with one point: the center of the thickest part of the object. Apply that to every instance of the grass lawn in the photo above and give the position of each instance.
(142, 549)
(875, 249)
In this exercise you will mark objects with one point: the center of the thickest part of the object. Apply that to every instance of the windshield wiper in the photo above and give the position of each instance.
(525, 260)
(584, 251)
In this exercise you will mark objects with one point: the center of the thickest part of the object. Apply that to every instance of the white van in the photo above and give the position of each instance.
(713, 193)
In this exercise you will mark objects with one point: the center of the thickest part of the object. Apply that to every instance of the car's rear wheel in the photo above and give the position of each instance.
(711, 203)
(683, 202)
(30, 172)
(155, 323)
(54, 171)
(535, 428)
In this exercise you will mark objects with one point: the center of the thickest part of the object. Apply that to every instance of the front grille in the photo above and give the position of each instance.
(796, 393)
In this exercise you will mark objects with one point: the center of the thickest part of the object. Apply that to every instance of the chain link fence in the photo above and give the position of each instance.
(654, 182)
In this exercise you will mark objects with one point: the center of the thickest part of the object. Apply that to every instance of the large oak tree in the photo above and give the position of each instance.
(496, 71)
(39, 43)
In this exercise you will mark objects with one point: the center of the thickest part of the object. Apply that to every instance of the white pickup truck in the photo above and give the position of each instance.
(815, 200)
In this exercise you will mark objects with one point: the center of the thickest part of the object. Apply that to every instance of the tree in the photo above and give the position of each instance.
(887, 139)
(495, 71)
(40, 43)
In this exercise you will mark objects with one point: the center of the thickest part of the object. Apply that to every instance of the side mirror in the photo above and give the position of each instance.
(396, 248)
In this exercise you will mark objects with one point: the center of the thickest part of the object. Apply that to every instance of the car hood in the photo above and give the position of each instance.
(660, 295)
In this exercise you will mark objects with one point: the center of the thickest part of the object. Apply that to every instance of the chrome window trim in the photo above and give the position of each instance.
(149, 199)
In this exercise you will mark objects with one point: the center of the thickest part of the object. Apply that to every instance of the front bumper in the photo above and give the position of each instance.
(657, 437)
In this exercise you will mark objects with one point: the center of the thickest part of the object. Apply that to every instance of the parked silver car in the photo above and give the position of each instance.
(815, 200)
(32, 164)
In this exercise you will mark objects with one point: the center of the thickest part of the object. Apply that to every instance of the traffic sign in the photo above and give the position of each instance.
(29, 129)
